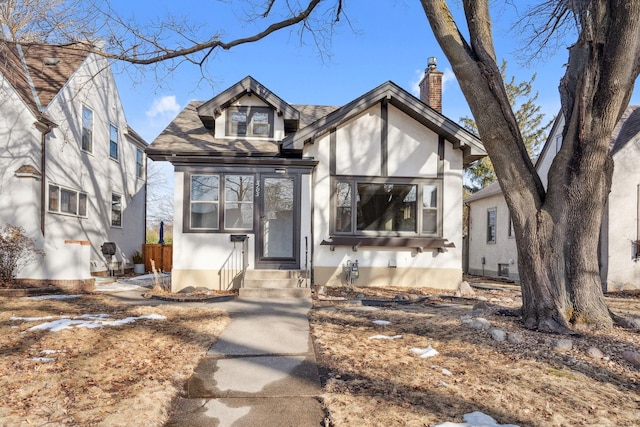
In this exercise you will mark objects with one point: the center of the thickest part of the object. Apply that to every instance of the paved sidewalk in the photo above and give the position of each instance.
(261, 372)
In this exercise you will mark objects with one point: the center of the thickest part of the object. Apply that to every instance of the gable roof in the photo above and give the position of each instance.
(247, 86)
(626, 130)
(38, 72)
(460, 138)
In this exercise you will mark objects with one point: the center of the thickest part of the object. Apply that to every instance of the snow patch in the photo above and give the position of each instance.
(62, 296)
(475, 419)
(425, 352)
(385, 337)
(382, 322)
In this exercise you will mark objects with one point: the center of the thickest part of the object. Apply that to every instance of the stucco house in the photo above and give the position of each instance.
(311, 190)
(491, 241)
(72, 172)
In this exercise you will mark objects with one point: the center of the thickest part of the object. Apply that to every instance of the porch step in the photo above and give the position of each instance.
(275, 284)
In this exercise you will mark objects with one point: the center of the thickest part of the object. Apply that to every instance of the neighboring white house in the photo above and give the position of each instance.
(377, 181)
(491, 242)
(72, 173)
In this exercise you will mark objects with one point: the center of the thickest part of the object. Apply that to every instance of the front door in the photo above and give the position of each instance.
(277, 239)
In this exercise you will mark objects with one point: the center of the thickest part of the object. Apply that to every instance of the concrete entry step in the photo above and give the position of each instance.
(274, 274)
(274, 283)
(261, 292)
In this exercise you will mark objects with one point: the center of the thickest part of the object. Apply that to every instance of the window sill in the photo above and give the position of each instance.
(419, 243)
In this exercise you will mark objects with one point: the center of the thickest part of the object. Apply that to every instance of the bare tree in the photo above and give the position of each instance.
(557, 230)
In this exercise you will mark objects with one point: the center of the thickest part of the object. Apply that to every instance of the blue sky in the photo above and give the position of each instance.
(382, 40)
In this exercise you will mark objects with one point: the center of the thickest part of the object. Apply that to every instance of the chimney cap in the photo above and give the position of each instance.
(431, 62)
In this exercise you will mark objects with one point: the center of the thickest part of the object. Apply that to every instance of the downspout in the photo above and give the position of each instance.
(44, 125)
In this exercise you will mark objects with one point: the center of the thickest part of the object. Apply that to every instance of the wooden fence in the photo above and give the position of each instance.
(161, 254)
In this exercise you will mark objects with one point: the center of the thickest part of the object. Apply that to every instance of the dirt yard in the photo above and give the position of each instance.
(122, 373)
(127, 371)
(522, 380)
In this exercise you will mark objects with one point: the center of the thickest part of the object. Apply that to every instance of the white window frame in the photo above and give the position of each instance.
(139, 163)
(80, 202)
(113, 132)
(492, 221)
(116, 206)
(86, 131)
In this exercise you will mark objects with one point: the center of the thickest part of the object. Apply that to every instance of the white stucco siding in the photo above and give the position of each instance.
(358, 145)
(413, 148)
(248, 101)
(623, 224)
(20, 145)
(544, 163)
(94, 173)
(503, 251)
(452, 201)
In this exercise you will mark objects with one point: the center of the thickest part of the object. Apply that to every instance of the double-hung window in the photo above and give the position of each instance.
(66, 201)
(250, 122)
(116, 210)
(87, 129)
(491, 225)
(386, 207)
(113, 142)
(204, 199)
(139, 163)
(220, 202)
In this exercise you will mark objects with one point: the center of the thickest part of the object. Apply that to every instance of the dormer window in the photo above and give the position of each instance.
(250, 122)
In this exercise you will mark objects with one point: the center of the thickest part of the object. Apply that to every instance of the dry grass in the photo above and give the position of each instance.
(120, 375)
(381, 383)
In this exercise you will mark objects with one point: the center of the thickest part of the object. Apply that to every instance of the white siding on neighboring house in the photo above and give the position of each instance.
(79, 185)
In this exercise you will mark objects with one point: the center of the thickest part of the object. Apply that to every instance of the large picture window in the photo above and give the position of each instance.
(250, 122)
(67, 201)
(386, 208)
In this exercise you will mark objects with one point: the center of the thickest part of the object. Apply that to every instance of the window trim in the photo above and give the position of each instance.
(418, 182)
(222, 179)
(112, 127)
(79, 196)
(249, 111)
(88, 149)
(140, 165)
(492, 236)
(120, 225)
(223, 191)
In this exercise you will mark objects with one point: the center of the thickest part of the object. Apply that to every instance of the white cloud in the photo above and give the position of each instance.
(165, 106)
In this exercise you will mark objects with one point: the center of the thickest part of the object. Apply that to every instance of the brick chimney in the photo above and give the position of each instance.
(431, 86)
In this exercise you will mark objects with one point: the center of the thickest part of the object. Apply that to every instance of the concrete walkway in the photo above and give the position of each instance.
(261, 372)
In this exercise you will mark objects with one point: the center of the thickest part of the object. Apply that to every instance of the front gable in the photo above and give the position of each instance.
(391, 97)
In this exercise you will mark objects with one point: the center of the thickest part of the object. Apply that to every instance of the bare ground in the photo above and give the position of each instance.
(377, 382)
(129, 374)
(109, 376)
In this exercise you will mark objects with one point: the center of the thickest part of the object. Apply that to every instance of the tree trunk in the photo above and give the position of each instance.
(557, 230)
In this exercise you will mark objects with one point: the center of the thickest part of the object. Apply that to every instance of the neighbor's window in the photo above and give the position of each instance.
(87, 129)
(238, 202)
(250, 121)
(116, 210)
(113, 142)
(139, 163)
(491, 225)
(204, 197)
(385, 207)
(67, 201)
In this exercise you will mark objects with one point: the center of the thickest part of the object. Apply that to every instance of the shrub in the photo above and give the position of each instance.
(136, 257)
(16, 251)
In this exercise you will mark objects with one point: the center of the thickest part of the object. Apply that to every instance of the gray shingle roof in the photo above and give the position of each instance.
(187, 135)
